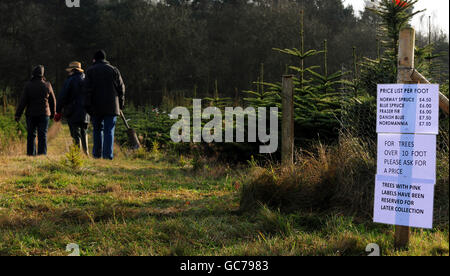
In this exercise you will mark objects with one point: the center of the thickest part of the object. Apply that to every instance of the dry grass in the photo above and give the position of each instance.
(134, 206)
(339, 178)
(329, 177)
(441, 212)
(12, 147)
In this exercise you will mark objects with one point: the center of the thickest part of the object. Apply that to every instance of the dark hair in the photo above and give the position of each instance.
(100, 55)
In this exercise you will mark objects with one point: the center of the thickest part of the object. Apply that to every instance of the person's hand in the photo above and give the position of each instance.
(58, 117)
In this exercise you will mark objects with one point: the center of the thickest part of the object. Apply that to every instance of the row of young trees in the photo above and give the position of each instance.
(327, 102)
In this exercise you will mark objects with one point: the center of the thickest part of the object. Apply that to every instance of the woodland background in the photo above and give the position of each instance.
(179, 46)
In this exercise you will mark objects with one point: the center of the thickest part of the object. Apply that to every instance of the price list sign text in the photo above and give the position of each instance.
(408, 108)
(407, 125)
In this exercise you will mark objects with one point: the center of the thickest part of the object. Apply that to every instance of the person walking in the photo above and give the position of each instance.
(105, 100)
(39, 101)
(71, 102)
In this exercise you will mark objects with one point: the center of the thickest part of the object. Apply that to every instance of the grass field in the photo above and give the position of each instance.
(160, 206)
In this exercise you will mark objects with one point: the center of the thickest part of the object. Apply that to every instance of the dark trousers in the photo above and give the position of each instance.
(104, 128)
(37, 125)
(78, 131)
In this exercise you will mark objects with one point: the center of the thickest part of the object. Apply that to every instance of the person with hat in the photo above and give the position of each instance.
(71, 103)
(106, 98)
(39, 101)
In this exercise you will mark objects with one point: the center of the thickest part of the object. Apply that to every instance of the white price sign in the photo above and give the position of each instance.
(407, 155)
(408, 108)
(403, 202)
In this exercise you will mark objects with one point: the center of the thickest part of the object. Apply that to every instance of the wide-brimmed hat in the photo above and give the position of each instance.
(74, 65)
(38, 71)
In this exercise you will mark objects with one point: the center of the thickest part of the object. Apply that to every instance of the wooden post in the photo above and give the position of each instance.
(406, 55)
(405, 65)
(287, 133)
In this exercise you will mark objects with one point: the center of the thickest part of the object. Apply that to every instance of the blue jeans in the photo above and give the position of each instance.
(37, 125)
(104, 128)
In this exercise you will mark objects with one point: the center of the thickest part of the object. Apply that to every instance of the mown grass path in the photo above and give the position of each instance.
(107, 207)
(160, 206)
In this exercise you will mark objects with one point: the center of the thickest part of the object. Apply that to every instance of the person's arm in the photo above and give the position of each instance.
(62, 97)
(120, 89)
(51, 101)
(88, 88)
(23, 103)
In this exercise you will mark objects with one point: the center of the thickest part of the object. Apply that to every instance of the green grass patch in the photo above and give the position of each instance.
(134, 206)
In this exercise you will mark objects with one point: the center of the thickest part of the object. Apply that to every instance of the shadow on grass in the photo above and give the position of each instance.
(99, 211)
(165, 177)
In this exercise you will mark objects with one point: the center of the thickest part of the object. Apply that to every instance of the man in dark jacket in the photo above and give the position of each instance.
(105, 100)
(71, 102)
(39, 101)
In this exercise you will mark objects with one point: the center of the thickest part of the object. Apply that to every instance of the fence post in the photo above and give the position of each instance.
(407, 40)
(287, 133)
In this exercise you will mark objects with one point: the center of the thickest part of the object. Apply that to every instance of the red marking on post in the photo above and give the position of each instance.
(400, 3)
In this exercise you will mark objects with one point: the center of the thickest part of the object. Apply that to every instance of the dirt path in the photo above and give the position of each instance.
(59, 140)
